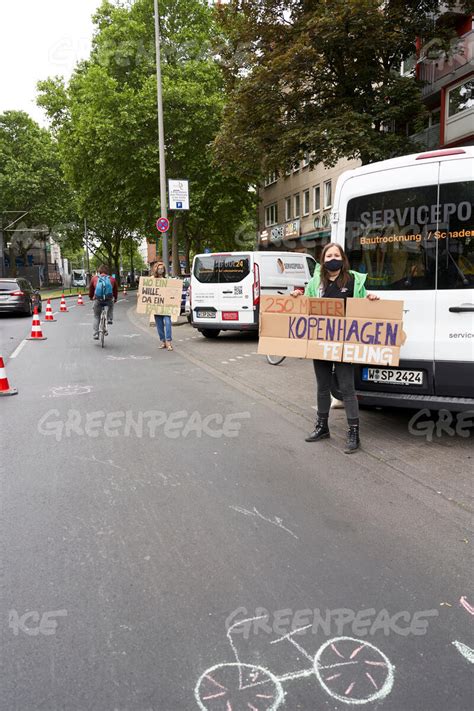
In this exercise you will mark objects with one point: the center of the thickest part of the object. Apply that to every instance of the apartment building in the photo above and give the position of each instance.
(294, 211)
(448, 85)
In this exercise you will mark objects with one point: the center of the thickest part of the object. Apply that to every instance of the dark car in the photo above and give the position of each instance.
(18, 295)
(186, 282)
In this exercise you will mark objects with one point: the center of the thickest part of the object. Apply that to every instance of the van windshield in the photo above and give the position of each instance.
(413, 238)
(221, 269)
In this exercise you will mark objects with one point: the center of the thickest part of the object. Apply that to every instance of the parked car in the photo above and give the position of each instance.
(18, 295)
(186, 278)
(187, 304)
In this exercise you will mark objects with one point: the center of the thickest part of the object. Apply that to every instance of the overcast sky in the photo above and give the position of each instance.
(40, 38)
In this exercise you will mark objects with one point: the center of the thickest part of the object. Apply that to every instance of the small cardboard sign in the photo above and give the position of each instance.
(159, 297)
(304, 327)
(381, 308)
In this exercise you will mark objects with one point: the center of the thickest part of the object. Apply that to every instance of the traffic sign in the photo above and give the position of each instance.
(162, 225)
(178, 191)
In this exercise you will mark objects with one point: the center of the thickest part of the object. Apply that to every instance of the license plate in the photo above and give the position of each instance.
(4, 297)
(394, 376)
(230, 315)
(201, 313)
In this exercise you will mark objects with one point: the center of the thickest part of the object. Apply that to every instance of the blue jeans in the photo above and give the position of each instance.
(163, 326)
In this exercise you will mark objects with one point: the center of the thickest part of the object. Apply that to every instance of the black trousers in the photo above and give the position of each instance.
(345, 381)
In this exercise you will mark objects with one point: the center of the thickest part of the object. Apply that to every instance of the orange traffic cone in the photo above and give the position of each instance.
(62, 306)
(5, 388)
(80, 301)
(49, 312)
(36, 332)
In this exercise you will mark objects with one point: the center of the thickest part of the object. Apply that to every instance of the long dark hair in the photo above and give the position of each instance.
(344, 275)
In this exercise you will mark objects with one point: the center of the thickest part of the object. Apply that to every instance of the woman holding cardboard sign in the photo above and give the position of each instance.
(334, 279)
(163, 323)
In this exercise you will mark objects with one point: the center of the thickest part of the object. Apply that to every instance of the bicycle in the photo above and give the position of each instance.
(103, 324)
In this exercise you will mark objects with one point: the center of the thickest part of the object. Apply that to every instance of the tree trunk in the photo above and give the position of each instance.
(187, 253)
(176, 267)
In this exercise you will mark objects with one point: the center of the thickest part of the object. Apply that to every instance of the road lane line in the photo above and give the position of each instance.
(18, 349)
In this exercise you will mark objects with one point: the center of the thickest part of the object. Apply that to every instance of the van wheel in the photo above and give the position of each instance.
(210, 333)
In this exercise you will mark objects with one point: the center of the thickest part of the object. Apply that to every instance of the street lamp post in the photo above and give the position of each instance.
(161, 137)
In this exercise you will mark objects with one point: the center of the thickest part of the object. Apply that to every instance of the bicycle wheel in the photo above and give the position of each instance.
(103, 327)
(238, 687)
(275, 360)
(353, 671)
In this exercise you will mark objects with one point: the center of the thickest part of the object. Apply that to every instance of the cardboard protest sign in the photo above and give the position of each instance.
(159, 296)
(368, 332)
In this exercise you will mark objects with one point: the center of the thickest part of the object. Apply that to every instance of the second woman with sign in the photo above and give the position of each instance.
(334, 279)
(163, 323)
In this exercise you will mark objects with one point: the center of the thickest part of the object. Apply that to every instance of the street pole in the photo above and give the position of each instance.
(161, 139)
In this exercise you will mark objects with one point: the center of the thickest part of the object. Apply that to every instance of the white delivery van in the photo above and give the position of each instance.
(79, 277)
(226, 287)
(408, 223)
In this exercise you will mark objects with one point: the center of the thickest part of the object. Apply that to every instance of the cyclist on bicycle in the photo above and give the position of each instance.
(103, 290)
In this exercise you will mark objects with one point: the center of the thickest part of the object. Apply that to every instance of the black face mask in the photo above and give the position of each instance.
(333, 265)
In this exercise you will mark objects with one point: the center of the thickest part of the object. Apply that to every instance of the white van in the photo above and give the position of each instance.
(409, 224)
(226, 287)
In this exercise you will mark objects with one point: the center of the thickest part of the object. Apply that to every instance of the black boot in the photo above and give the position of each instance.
(321, 430)
(352, 441)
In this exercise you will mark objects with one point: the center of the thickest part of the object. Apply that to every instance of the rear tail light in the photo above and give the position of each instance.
(299, 288)
(256, 284)
(441, 153)
(17, 293)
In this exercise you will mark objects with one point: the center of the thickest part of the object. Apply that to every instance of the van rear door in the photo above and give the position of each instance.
(223, 285)
(454, 331)
(283, 271)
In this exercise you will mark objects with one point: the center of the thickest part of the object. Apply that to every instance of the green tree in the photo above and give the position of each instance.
(106, 124)
(320, 77)
(34, 197)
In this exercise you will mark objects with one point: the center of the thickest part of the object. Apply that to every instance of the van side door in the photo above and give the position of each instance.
(454, 244)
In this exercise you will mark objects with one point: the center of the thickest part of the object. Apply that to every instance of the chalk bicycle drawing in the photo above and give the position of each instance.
(350, 670)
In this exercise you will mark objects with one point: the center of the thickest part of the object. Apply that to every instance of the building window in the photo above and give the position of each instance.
(296, 167)
(288, 208)
(271, 178)
(271, 214)
(306, 160)
(316, 198)
(461, 98)
(306, 202)
(327, 194)
(296, 202)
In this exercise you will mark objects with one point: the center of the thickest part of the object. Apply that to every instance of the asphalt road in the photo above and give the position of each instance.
(150, 500)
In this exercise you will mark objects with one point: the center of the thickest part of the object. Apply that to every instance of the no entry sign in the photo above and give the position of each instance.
(162, 225)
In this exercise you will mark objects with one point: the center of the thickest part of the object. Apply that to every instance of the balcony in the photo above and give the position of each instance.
(427, 139)
(436, 70)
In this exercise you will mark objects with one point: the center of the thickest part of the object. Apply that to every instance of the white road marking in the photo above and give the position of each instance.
(240, 357)
(466, 651)
(18, 349)
(247, 355)
(224, 362)
(61, 391)
(232, 360)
